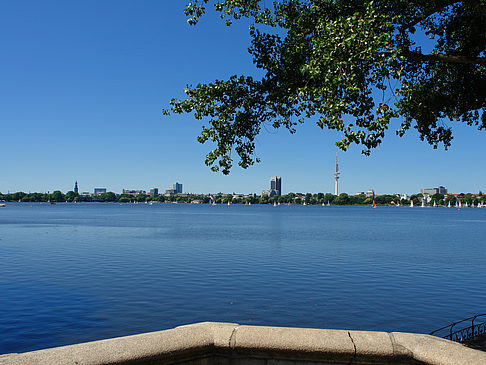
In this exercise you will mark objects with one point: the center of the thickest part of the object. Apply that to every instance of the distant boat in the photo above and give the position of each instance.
(411, 203)
(274, 204)
(423, 204)
(323, 204)
(328, 204)
(304, 203)
(460, 204)
(2, 204)
(228, 204)
(398, 203)
(435, 204)
(472, 205)
(466, 205)
(374, 204)
(449, 205)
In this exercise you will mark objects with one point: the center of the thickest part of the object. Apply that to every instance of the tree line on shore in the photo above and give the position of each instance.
(291, 198)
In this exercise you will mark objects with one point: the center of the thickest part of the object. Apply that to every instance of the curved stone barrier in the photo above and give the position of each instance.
(231, 344)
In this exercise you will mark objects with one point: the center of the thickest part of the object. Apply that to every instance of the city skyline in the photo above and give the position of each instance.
(90, 106)
(275, 184)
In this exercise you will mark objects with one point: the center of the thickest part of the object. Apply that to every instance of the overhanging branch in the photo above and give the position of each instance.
(415, 56)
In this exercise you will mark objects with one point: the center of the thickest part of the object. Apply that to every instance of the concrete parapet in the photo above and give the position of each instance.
(232, 344)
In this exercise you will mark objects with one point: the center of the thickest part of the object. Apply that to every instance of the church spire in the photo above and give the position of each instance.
(76, 187)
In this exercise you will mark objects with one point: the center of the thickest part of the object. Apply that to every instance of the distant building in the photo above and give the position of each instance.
(269, 193)
(133, 192)
(370, 193)
(431, 191)
(442, 190)
(154, 192)
(85, 193)
(276, 184)
(76, 190)
(98, 191)
(360, 193)
(175, 188)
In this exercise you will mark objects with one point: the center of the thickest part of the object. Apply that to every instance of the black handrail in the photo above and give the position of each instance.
(465, 333)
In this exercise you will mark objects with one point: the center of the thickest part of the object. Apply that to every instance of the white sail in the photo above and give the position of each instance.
(411, 203)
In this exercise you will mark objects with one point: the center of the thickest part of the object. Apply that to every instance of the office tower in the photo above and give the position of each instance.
(276, 184)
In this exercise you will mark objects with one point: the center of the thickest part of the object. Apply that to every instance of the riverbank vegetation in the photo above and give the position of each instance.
(291, 198)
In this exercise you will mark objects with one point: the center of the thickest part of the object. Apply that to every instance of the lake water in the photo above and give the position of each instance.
(79, 272)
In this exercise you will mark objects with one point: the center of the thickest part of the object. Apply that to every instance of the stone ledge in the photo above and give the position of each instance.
(231, 344)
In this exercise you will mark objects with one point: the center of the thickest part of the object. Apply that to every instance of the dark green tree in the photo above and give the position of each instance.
(350, 66)
(57, 196)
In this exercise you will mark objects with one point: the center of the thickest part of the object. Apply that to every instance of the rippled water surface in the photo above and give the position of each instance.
(81, 272)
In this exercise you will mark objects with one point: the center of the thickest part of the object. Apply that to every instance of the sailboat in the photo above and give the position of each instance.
(328, 204)
(274, 204)
(466, 205)
(228, 204)
(435, 204)
(449, 205)
(423, 204)
(374, 204)
(411, 203)
(460, 204)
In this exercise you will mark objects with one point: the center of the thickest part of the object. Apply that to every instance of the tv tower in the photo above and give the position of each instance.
(336, 177)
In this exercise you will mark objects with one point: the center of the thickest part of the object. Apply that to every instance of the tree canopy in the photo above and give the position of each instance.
(348, 65)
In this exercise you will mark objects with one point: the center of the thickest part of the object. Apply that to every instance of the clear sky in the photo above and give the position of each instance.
(83, 84)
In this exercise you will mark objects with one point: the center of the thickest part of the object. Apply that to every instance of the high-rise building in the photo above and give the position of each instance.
(336, 178)
(175, 188)
(98, 191)
(154, 192)
(276, 184)
(76, 190)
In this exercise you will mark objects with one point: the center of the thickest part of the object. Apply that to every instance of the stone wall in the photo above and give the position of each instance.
(232, 344)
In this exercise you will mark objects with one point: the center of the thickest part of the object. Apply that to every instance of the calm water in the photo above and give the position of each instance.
(80, 272)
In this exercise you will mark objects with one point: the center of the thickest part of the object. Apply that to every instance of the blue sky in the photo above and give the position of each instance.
(83, 85)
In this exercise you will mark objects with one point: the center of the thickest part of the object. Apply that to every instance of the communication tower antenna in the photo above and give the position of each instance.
(336, 177)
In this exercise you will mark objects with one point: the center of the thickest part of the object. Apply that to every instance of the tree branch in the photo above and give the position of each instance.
(415, 56)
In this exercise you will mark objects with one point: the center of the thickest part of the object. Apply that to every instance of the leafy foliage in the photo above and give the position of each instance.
(336, 62)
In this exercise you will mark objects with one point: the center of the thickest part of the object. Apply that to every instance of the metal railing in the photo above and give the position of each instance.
(470, 328)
